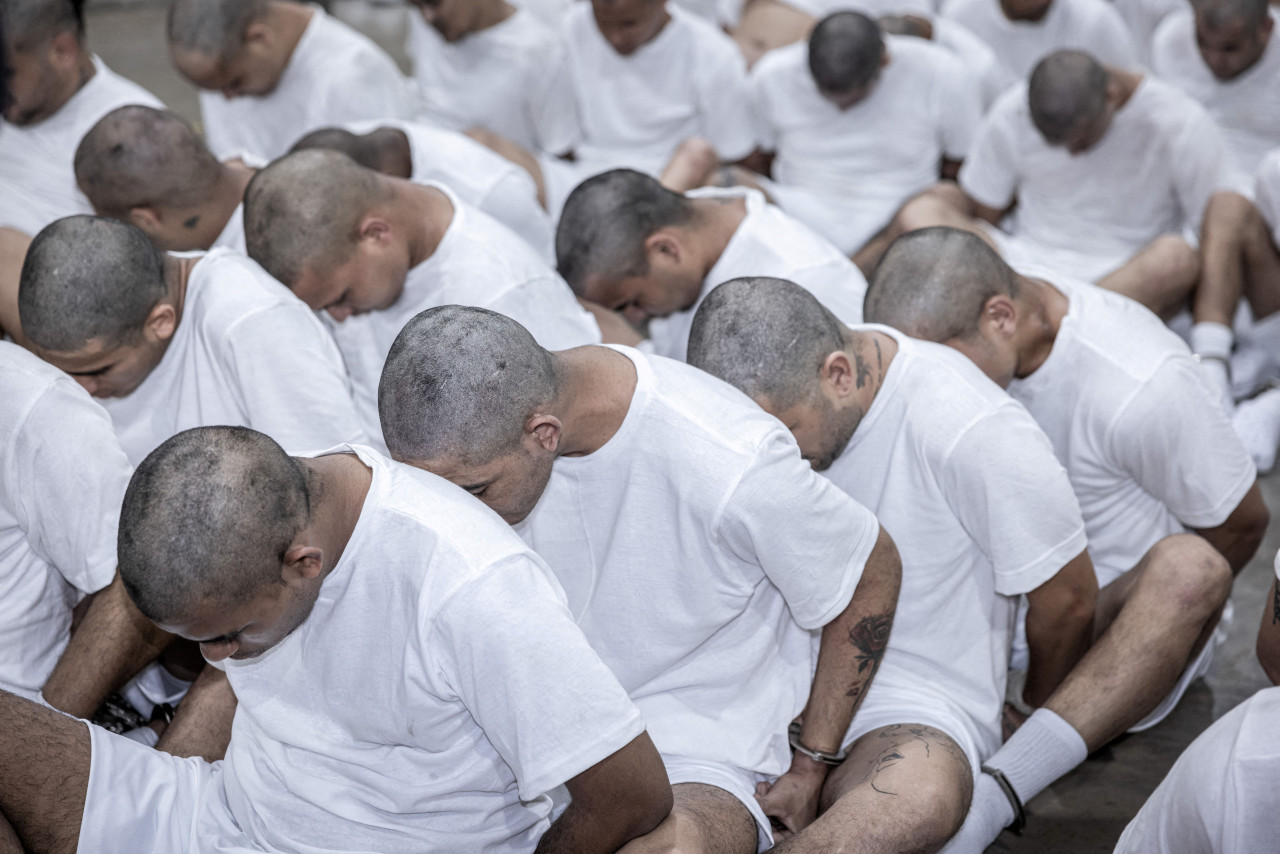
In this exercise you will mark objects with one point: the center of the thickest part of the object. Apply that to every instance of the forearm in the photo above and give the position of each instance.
(1238, 538)
(1056, 641)
(113, 642)
(202, 725)
(1269, 636)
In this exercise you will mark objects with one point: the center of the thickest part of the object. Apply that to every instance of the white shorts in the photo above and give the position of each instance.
(140, 800)
(737, 782)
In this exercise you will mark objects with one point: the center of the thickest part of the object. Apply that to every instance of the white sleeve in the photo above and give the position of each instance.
(959, 109)
(724, 100)
(1267, 193)
(547, 703)
(292, 379)
(1112, 43)
(1201, 165)
(548, 309)
(513, 201)
(1014, 499)
(370, 87)
(811, 539)
(220, 134)
(758, 88)
(989, 174)
(69, 477)
(552, 103)
(1179, 445)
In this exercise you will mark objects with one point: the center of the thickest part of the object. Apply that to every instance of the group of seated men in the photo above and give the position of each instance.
(860, 440)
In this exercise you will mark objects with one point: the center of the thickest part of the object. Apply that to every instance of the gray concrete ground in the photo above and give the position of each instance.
(1087, 810)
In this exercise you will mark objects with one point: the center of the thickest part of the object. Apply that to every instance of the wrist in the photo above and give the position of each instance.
(803, 766)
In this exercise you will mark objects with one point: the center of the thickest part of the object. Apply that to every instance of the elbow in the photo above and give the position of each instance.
(1269, 657)
(651, 811)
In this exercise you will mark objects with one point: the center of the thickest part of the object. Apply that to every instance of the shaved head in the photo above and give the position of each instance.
(1218, 14)
(606, 221)
(30, 24)
(361, 149)
(933, 284)
(304, 211)
(845, 51)
(212, 28)
(88, 278)
(1068, 90)
(766, 337)
(142, 157)
(207, 519)
(459, 383)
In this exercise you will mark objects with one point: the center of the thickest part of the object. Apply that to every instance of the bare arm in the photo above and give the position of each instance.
(621, 797)
(991, 215)
(849, 654)
(1269, 636)
(1238, 538)
(760, 162)
(13, 251)
(1059, 626)
(614, 328)
(113, 642)
(202, 725)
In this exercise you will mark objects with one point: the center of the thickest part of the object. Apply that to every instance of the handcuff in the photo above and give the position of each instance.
(793, 735)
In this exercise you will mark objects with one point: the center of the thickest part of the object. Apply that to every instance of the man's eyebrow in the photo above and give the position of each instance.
(94, 373)
(471, 486)
(229, 636)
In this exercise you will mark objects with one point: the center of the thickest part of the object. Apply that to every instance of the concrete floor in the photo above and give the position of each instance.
(1087, 810)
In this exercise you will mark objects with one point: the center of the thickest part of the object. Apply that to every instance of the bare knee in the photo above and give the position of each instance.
(1174, 261)
(938, 205)
(1228, 214)
(1188, 575)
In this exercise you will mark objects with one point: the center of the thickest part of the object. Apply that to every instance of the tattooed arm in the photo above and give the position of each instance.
(849, 655)
(1269, 635)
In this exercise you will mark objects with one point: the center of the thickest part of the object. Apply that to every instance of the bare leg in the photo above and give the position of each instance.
(904, 787)
(693, 165)
(13, 251)
(9, 843)
(1239, 260)
(44, 774)
(1161, 275)
(202, 725)
(1152, 621)
(943, 204)
(704, 820)
(516, 154)
(767, 25)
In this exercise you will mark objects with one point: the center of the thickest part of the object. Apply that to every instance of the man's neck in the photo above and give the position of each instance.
(424, 213)
(595, 386)
(338, 485)
(493, 13)
(177, 272)
(871, 354)
(1126, 83)
(228, 193)
(289, 20)
(715, 221)
(1044, 307)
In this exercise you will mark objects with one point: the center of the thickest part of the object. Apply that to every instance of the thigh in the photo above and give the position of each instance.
(704, 819)
(894, 759)
(44, 773)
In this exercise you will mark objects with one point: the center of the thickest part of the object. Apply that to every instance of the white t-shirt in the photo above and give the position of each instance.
(697, 550)
(1152, 173)
(690, 80)
(1266, 192)
(62, 478)
(246, 352)
(1091, 25)
(1143, 17)
(1246, 108)
(37, 170)
(769, 243)
(872, 8)
(335, 75)
(1136, 426)
(480, 177)
(232, 234)
(976, 55)
(510, 78)
(840, 171)
(438, 689)
(479, 262)
(1220, 795)
(980, 510)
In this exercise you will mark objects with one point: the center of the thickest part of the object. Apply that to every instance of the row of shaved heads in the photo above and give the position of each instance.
(30, 24)
(212, 28)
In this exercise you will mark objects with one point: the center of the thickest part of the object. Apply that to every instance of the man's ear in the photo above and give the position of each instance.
(375, 230)
(1001, 314)
(838, 374)
(542, 432)
(301, 563)
(665, 245)
(64, 50)
(161, 322)
(145, 218)
(259, 36)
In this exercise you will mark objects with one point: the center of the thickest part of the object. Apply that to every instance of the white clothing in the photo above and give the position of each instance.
(480, 177)
(334, 75)
(1246, 108)
(1085, 215)
(976, 55)
(422, 705)
(548, 11)
(479, 262)
(844, 173)
(1143, 17)
(232, 234)
(1091, 25)
(871, 8)
(973, 534)
(1148, 450)
(510, 78)
(768, 242)
(635, 110)
(62, 478)
(1219, 797)
(37, 171)
(698, 550)
(246, 352)
(1266, 193)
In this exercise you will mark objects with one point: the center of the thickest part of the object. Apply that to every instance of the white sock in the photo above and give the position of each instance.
(1212, 341)
(1042, 750)
(989, 814)
(1257, 423)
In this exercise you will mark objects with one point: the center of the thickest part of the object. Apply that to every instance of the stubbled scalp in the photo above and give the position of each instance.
(305, 209)
(845, 51)
(207, 518)
(30, 24)
(606, 221)
(459, 383)
(933, 284)
(767, 337)
(212, 28)
(1218, 14)
(361, 149)
(138, 156)
(1068, 88)
(88, 278)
